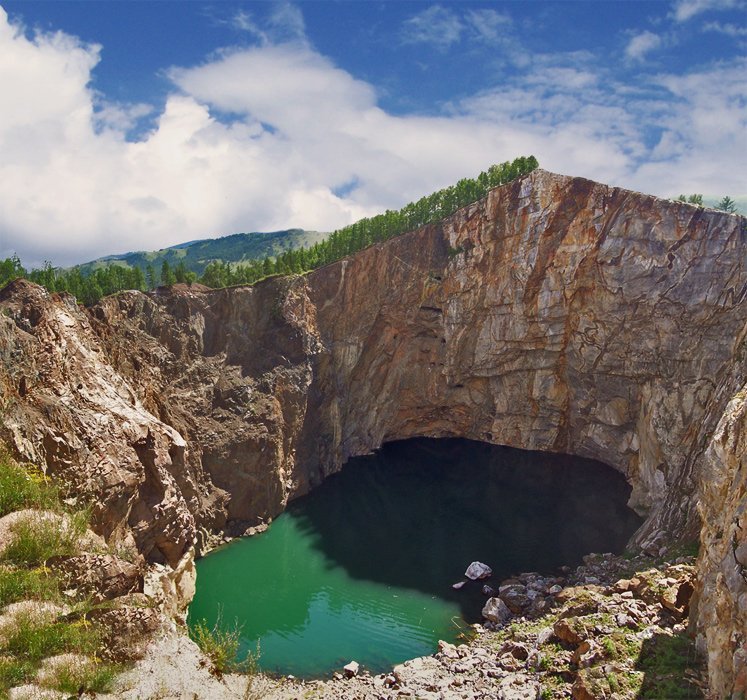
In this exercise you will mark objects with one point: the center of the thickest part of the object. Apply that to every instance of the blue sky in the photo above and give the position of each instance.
(136, 125)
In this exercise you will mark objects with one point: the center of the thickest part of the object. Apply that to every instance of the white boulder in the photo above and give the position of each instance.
(477, 570)
(351, 669)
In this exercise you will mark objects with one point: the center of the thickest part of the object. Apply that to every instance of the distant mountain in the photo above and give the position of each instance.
(238, 247)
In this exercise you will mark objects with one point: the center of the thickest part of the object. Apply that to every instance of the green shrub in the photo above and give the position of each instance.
(220, 645)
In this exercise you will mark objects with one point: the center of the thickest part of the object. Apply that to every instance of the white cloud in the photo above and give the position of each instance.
(301, 128)
(725, 28)
(444, 28)
(120, 117)
(488, 25)
(437, 25)
(243, 21)
(642, 44)
(287, 23)
(687, 9)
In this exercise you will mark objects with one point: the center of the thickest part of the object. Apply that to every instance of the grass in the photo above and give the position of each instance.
(30, 639)
(31, 636)
(78, 675)
(25, 487)
(38, 538)
(688, 548)
(665, 661)
(35, 640)
(620, 645)
(27, 584)
(14, 672)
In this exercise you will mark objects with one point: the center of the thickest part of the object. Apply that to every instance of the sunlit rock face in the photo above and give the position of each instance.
(557, 314)
(721, 586)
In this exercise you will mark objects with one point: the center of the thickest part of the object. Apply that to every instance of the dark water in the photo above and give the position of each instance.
(362, 568)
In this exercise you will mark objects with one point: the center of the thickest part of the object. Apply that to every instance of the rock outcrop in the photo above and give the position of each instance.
(557, 314)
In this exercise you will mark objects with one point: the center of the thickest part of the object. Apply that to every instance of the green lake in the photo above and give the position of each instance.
(362, 568)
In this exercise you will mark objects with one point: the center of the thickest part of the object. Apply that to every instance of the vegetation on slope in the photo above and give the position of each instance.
(89, 286)
(46, 637)
(350, 239)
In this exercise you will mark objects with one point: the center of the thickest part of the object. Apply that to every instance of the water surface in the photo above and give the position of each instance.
(362, 568)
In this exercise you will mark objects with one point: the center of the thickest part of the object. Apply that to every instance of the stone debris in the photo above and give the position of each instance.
(101, 576)
(584, 642)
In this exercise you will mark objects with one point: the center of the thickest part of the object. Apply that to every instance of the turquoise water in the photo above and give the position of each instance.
(362, 568)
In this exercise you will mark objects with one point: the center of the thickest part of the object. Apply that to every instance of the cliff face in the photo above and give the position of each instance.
(721, 622)
(558, 314)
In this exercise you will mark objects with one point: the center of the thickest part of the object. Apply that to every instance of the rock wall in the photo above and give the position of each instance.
(721, 586)
(557, 314)
(65, 408)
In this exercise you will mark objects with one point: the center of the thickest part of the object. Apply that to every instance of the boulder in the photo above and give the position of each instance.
(477, 570)
(496, 611)
(351, 669)
(515, 596)
(449, 651)
(569, 630)
(518, 686)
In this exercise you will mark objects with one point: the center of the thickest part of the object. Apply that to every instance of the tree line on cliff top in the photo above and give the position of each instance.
(89, 287)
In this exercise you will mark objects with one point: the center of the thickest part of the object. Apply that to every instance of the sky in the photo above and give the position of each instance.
(139, 125)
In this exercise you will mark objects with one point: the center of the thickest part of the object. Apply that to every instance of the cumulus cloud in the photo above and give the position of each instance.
(307, 144)
(642, 44)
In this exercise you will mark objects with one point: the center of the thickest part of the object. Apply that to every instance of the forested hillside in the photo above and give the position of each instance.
(195, 255)
(213, 262)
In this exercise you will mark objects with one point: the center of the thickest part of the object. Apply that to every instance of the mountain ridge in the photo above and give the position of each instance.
(197, 254)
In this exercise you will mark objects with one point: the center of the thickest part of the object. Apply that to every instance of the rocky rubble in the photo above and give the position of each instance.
(612, 628)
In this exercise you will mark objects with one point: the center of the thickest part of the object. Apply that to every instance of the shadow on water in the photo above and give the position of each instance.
(416, 513)
(363, 567)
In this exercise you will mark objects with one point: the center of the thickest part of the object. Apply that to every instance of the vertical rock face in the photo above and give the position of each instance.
(557, 314)
(722, 563)
(64, 408)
